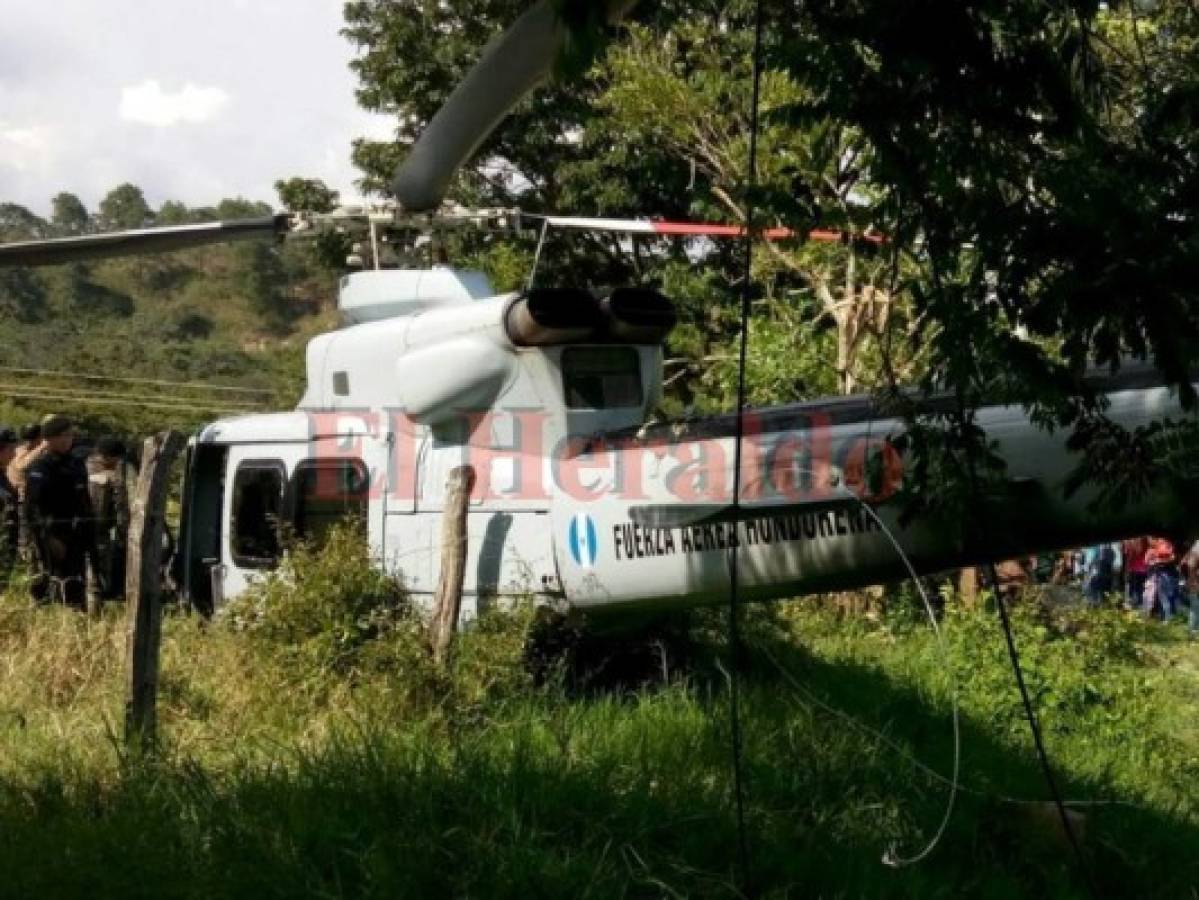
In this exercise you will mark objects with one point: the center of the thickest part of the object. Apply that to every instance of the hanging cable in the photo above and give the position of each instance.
(1035, 727)
(49, 393)
(928, 770)
(89, 400)
(981, 532)
(952, 781)
(198, 385)
(736, 737)
(891, 857)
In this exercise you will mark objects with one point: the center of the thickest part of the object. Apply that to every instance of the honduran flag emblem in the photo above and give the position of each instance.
(583, 540)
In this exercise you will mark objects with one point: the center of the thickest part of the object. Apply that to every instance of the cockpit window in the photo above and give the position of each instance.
(257, 501)
(328, 492)
(602, 377)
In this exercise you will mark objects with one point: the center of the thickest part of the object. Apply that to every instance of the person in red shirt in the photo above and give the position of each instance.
(1161, 580)
(1133, 553)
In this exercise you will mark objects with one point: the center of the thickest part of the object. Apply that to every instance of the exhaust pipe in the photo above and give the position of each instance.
(638, 315)
(544, 317)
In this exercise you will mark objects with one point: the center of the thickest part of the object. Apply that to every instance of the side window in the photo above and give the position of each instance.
(257, 502)
(601, 377)
(328, 492)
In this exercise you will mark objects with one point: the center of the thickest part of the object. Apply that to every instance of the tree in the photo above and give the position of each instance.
(1042, 177)
(1033, 166)
(86, 296)
(68, 214)
(22, 295)
(258, 274)
(260, 278)
(125, 207)
(306, 194)
(689, 91)
(325, 251)
(555, 152)
(19, 224)
(172, 212)
(232, 208)
(413, 55)
(191, 325)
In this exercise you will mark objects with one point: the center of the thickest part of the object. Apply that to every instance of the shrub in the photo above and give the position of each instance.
(329, 616)
(324, 606)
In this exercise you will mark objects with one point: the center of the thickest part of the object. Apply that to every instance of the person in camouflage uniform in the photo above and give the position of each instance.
(9, 506)
(58, 516)
(23, 455)
(107, 487)
(29, 451)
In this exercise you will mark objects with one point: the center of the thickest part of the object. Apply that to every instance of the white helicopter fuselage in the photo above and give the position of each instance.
(576, 503)
(425, 378)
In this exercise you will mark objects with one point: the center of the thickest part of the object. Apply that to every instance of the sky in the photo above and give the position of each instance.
(191, 100)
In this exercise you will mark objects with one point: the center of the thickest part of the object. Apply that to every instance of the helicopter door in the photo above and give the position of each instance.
(200, 529)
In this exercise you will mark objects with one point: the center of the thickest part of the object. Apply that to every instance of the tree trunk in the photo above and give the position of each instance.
(845, 342)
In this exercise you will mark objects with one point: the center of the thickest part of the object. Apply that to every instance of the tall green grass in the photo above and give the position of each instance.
(309, 748)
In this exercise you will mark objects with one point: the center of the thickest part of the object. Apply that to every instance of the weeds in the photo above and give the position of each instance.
(310, 747)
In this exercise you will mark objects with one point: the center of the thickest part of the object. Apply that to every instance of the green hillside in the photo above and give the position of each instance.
(173, 339)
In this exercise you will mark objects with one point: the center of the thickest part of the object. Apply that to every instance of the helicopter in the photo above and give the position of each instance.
(546, 394)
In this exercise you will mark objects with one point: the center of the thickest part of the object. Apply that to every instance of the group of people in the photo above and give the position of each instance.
(1148, 572)
(64, 512)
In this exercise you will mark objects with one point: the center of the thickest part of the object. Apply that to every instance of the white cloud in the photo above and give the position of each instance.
(148, 104)
(66, 75)
(23, 138)
(24, 148)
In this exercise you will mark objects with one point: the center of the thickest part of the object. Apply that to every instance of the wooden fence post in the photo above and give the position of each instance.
(143, 585)
(447, 602)
(968, 585)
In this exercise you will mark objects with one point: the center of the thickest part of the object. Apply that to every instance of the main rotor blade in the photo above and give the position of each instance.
(512, 64)
(143, 240)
